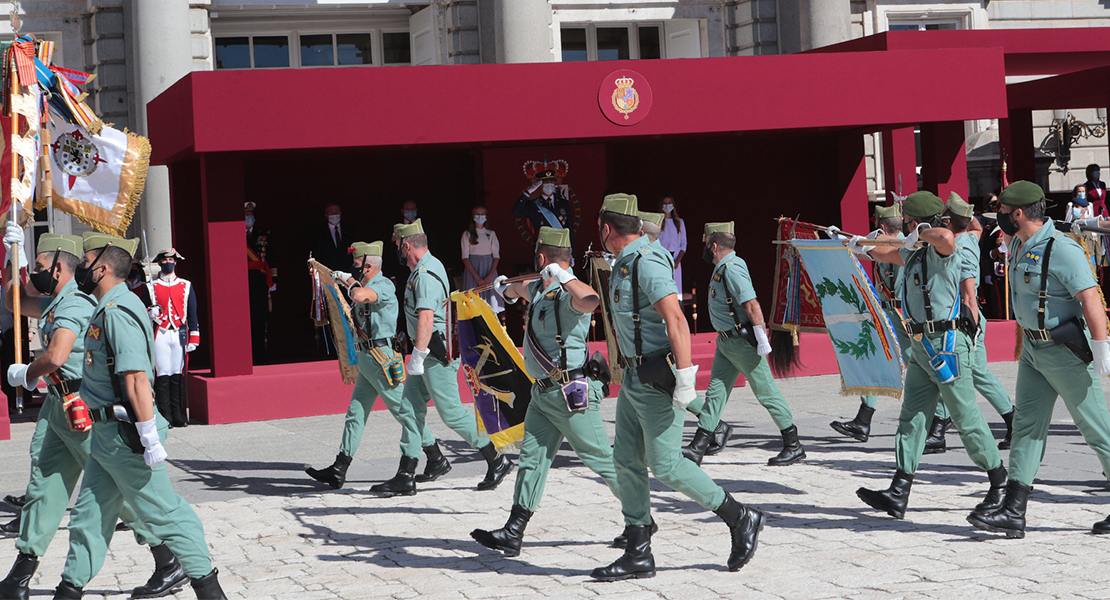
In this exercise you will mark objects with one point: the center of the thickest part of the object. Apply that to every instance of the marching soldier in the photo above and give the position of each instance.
(380, 373)
(742, 347)
(61, 444)
(1057, 304)
(174, 311)
(566, 400)
(126, 459)
(432, 373)
(940, 360)
(659, 377)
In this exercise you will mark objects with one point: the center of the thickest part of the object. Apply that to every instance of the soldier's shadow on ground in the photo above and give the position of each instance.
(222, 476)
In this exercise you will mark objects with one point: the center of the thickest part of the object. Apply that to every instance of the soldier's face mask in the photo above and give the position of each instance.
(601, 235)
(1006, 223)
(83, 274)
(707, 253)
(44, 281)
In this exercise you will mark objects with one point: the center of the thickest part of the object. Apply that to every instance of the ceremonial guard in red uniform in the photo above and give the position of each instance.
(177, 333)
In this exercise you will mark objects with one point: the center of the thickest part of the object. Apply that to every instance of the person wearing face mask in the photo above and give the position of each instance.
(332, 240)
(62, 449)
(432, 371)
(548, 203)
(566, 401)
(659, 377)
(1064, 351)
(260, 282)
(742, 347)
(380, 373)
(481, 252)
(1096, 190)
(127, 456)
(940, 361)
(673, 236)
(1079, 207)
(177, 332)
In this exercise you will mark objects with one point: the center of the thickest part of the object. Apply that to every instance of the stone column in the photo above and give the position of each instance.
(808, 24)
(523, 31)
(163, 54)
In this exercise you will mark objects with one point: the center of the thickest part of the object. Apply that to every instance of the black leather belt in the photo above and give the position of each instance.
(100, 415)
(562, 377)
(65, 387)
(728, 334)
(930, 327)
(378, 343)
(1037, 335)
(630, 362)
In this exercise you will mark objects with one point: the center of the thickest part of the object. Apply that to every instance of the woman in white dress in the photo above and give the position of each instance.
(673, 238)
(480, 254)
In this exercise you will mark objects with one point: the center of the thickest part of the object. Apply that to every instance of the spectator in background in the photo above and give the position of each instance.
(480, 254)
(332, 241)
(672, 237)
(1096, 190)
(1079, 207)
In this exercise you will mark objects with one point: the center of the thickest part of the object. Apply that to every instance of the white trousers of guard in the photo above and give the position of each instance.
(169, 356)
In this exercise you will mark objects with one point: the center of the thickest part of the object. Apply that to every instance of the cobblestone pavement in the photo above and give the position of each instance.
(276, 534)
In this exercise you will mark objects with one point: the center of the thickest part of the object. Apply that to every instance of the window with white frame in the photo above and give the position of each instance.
(611, 41)
(303, 49)
(924, 25)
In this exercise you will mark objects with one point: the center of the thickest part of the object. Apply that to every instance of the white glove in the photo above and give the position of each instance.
(416, 361)
(148, 435)
(340, 277)
(500, 287)
(17, 376)
(684, 392)
(763, 345)
(835, 232)
(1075, 225)
(911, 239)
(155, 312)
(554, 271)
(1101, 350)
(13, 234)
(535, 186)
(874, 234)
(855, 244)
(190, 347)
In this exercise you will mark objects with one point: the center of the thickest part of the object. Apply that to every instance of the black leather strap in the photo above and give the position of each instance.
(637, 333)
(551, 382)
(1042, 297)
(937, 327)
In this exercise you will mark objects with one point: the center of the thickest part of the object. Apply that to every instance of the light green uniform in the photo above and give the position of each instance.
(923, 388)
(61, 454)
(426, 289)
(648, 426)
(1046, 370)
(985, 382)
(549, 420)
(736, 355)
(114, 474)
(379, 321)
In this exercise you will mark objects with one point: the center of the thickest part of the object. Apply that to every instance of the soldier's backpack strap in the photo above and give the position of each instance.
(637, 333)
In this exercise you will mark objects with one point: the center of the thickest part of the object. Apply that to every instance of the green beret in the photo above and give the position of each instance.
(1021, 193)
(921, 205)
(885, 212)
(711, 228)
(622, 204)
(549, 236)
(653, 217)
(957, 206)
(402, 231)
(49, 242)
(94, 240)
(360, 249)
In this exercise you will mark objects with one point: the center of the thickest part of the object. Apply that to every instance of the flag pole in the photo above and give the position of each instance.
(17, 309)
(46, 184)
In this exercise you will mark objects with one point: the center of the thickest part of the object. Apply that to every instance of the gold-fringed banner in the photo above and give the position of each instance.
(341, 321)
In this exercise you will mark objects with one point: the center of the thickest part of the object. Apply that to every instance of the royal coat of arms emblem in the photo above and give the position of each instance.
(625, 97)
(76, 155)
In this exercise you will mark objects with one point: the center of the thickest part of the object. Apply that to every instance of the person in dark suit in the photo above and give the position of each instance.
(332, 240)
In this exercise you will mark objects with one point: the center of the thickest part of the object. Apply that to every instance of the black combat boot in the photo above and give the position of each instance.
(11, 527)
(858, 428)
(997, 494)
(636, 562)
(508, 538)
(403, 483)
(437, 464)
(208, 588)
(892, 500)
(696, 450)
(168, 575)
(499, 467)
(621, 541)
(16, 501)
(162, 396)
(1102, 527)
(1010, 519)
(792, 450)
(744, 524)
(335, 475)
(935, 444)
(16, 586)
(720, 438)
(176, 408)
(68, 591)
(1009, 419)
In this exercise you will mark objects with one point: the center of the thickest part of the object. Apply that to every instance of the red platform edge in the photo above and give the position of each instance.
(315, 388)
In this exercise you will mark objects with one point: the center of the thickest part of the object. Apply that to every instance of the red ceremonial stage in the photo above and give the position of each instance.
(745, 139)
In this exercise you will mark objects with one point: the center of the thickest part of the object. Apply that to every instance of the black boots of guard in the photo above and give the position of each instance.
(436, 466)
(792, 450)
(335, 475)
(1009, 419)
(636, 562)
(506, 540)
(208, 588)
(402, 484)
(68, 591)
(167, 397)
(858, 428)
(698, 446)
(621, 541)
(996, 496)
(168, 575)
(1009, 519)
(16, 586)
(720, 438)
(744, 524)
(499, 467)
(934, 443)
(891, 500)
